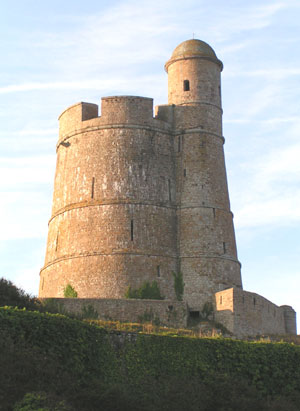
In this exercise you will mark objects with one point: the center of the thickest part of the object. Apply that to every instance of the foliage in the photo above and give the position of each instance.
(178, 285)
(146, 292)
(149, 316)
(207, 310)
(90, 369)
(89, 312)
(40, 402)
(52, 306)
(11, 295)
(70, 292)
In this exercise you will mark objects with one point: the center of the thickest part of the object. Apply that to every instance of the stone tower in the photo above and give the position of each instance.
(206, 240)
(137, 198)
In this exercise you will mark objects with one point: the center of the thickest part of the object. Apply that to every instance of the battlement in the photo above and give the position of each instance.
(114, 110)
(126, 109)
(72, 117)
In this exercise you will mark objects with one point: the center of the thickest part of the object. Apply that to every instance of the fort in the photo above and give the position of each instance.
(138, 198)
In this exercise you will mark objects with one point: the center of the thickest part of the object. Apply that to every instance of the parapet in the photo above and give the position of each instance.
(126, 110)
(289, 315)
(72, 117)
(249, 314)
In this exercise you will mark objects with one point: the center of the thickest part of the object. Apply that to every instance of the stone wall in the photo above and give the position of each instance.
(249, 314)
(169, 313)
(113, 222)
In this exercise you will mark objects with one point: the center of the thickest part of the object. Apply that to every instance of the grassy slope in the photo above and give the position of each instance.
(75, 361)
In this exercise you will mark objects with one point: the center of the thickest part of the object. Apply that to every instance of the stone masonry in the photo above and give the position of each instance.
(138, 197)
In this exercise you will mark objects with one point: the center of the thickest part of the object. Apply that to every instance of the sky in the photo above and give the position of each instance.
(55, 54)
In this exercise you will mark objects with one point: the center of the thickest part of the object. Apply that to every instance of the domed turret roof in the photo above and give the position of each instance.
(194, 49)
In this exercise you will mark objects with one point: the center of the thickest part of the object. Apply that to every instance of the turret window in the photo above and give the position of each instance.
(131, 230)
(186, 85)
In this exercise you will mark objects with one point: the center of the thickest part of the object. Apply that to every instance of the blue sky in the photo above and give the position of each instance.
(57, 53)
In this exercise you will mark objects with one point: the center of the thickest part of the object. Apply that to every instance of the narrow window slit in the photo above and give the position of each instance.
(224, 248)
(186, 85)
(56, 242)
(221, 300)
(93, 187)
(184, 172)
(214, 210)
(131, 230)
(179, 144)
(169, 188)
(158, 271)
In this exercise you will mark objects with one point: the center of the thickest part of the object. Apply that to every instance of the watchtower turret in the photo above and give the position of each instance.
(205, 234)
(194, 74)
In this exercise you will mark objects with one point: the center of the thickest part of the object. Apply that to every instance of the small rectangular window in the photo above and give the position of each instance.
(186, 85)
(184, 172)
(56, 242)
(131, 230)
(224, 248)
(221, 299)
(179, 144)
(158, 271)
(214, 211)
(93, 187)
(169, 188)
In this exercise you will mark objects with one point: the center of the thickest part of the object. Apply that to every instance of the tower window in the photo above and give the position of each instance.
(169, 188)
(158, 271)
(179, 144)
(184, 172)
(221, 299)
(93, 187)
(224, 248)
(56, 242)
(186, 85)
(131, 230)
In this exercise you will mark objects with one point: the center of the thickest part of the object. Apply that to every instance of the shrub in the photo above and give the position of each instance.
(40, 402)
(13, 296)
(70, 292)
(146, 292)
(89, 312)
(207, 310)
(178, 285)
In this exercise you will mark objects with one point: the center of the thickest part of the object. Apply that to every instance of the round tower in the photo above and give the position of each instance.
(206, 239)
(113, 222)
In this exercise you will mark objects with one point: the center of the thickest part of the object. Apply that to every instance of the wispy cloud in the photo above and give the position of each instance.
(272, 194)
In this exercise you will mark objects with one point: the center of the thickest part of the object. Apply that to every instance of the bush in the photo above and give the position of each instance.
(178, 285)
(70, 292)
(13, 296)
(146, 292)
(40, 402)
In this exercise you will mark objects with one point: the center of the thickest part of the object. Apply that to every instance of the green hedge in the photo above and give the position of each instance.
(77, 363)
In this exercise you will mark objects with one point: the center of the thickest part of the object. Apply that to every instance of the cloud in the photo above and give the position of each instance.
(15, 172)
(271, 195)
(277, 73)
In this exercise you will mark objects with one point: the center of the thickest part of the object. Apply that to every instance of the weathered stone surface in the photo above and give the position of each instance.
(166, 312)
(138, 197)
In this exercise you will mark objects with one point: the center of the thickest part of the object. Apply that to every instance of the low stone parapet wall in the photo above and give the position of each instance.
(164, 312)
